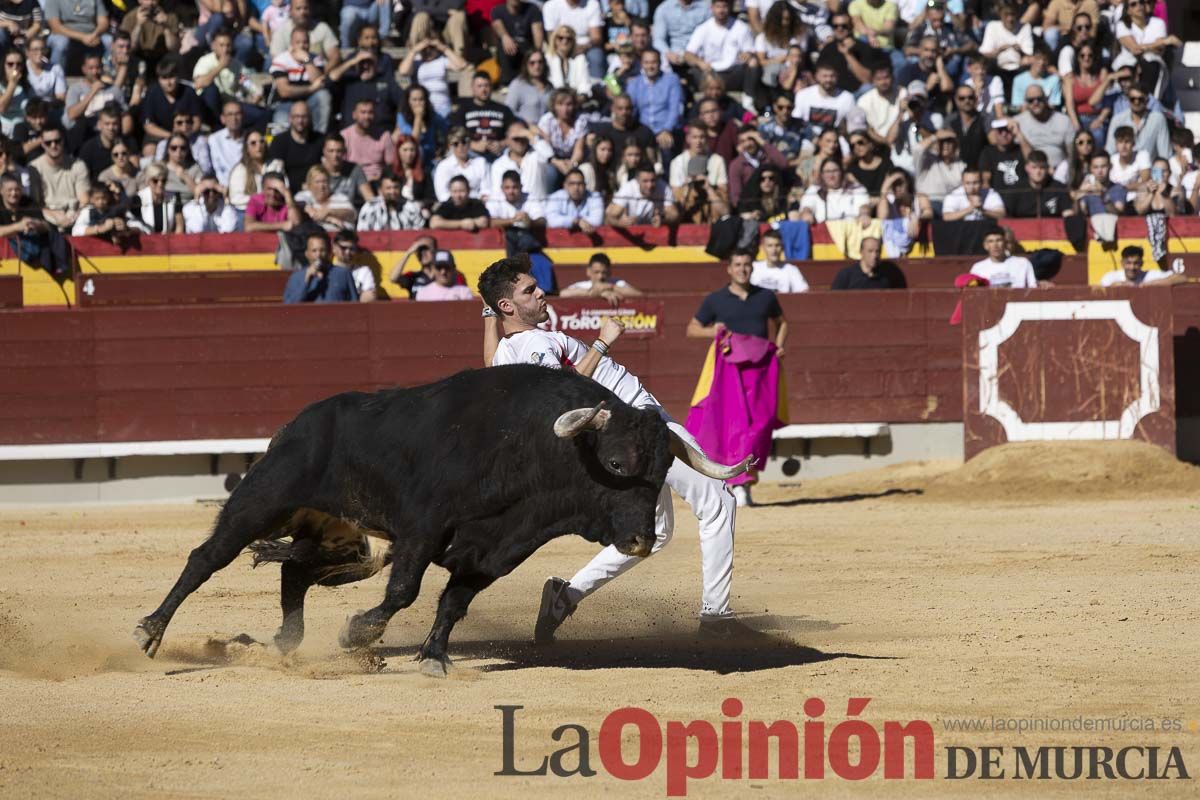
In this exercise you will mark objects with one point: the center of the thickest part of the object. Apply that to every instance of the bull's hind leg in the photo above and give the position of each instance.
(248, 515)
(294, 582)
(458, 594)
(411, 556)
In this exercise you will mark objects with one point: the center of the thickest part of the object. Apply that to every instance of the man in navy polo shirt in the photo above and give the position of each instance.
(741, 307)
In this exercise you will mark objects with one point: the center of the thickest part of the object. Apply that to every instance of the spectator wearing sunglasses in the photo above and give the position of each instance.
(1153, 136)
(1061, 16)
(60, 183)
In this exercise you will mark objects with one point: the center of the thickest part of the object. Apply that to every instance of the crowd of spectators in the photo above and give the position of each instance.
(270, 115)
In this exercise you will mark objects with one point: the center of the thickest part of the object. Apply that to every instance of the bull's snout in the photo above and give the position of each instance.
(637, 545)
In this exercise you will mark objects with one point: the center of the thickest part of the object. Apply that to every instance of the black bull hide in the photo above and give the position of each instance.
(470, 473)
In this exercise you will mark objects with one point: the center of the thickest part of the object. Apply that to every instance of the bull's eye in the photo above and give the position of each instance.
(615, 466)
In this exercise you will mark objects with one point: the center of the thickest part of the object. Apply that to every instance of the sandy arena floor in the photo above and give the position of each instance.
(914, 586)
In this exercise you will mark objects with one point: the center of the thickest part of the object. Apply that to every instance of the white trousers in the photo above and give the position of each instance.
(713, 506)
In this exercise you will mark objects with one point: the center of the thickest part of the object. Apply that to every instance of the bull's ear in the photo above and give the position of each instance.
(574, 422)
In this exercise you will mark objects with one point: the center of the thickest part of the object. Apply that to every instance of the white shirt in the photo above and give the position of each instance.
(556, 350)
(196, 218)
(629, 197)
(476, 172)
(532, 169)
(1125, 174)
(784, 279)
(837, 204)
(1117, 277)
(715, 172)
(1005, 46)
(881, 112)
(1154, 30)
(364, 279)
(957, 200)
(821, 110)
(586, 285)
(720, 45)
(499, 208)
(579, 18)
(224, 152)
(1013, 272)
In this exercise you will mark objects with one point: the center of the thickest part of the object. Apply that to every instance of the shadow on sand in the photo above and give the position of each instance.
(844, 498)
(750, 651)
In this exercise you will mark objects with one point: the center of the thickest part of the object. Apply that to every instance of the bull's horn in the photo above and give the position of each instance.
(574, 422)
(695, 458)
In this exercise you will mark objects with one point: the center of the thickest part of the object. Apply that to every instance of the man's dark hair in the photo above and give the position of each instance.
(333, 137)
(575, 171)
(345, 235)
(481, 74)
(511, 175)
(1133, 251)
(1125, 133)
(1180, 136)
(458, 179)
(224, 30)
(316, 235)
(111, 110)
(1101, 154)
(1038, 157)
(773, 234)
(274, 176)
(600, 258)
(498, 280)
(168, 67)
(123, 35)
(36, 107)
(741, 251)
(645, 166)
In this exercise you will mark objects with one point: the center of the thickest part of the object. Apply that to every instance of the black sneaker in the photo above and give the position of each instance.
(556, 607)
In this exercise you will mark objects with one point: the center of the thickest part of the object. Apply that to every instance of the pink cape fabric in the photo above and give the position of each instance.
(740, 412)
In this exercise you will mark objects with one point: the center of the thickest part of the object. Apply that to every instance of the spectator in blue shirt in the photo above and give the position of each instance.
(320, 281)
(674, 22)
(658, 98)
(573, 207)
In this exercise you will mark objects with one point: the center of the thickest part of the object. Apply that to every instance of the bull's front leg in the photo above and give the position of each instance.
(409, 562)
(458, 594)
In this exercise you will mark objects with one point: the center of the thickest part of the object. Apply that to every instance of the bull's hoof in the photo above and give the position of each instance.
(435, 667)
(360, 631)
(288, 640)
(148, 635)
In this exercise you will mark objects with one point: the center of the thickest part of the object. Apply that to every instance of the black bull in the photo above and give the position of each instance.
(473, 473)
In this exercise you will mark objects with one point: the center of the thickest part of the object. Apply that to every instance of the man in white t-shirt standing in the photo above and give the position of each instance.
(723, 45)
(1002, 270)
(773, 272)
(515, 308)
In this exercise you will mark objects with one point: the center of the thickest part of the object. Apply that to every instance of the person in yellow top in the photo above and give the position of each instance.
(874, 22)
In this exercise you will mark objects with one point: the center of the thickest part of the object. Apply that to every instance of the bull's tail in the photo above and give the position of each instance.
(271, 551)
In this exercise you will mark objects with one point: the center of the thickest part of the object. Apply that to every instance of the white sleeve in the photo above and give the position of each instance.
(954, 202)
(1111, 278)
(992, 201)
(1030, 277)
(594, 18)
(796, 282)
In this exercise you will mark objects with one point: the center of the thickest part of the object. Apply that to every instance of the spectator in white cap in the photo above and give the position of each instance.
(445, 284)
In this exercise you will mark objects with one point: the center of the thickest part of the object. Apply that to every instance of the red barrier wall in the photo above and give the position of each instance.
(127, 374)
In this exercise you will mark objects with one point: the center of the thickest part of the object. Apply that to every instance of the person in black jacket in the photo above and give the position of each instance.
(870, 272)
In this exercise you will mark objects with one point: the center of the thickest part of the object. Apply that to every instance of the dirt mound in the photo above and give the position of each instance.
(1030, 471)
